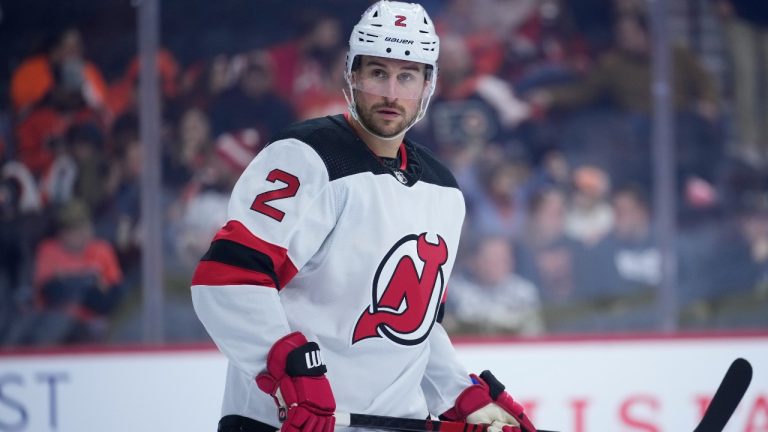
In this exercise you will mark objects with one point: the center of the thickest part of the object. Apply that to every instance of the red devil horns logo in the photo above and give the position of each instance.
(406, 310)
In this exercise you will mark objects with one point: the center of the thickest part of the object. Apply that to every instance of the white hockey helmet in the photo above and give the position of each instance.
(395, 30)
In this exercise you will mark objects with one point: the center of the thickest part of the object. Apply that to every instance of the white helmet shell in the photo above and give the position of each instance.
(396, 30)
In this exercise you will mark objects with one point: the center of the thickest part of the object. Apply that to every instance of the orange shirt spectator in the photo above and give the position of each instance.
(34, 136)
(75, 271)
(97, 257)
(39, 132)
(34, 78)
(123, 95)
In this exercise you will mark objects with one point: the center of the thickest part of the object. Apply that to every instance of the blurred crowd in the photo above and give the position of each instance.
(543, 111)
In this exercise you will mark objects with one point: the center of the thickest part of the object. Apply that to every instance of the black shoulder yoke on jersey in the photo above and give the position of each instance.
(345, 154)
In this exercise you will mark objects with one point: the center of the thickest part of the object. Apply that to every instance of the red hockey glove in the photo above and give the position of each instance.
(486, 402)
(295, 378)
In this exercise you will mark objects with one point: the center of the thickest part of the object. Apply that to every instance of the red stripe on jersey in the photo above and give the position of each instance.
(237, 232)
(403, 157)
(215, 274)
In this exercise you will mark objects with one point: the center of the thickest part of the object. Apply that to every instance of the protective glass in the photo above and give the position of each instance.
(403, 84)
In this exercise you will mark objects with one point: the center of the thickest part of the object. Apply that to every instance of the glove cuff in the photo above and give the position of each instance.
(470, 400)
(277, 359)
(293, 356)
(305, 360)
(278, 355)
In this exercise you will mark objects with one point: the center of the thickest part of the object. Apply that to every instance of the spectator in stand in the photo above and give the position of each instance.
(590, 216)
(623, 76)
(55, 92)
(221, 75)
(78, 283)
(123, 94)
(253, 103)
(57, 184)
(37, 136)
(552, 169)
(548, 256)
(470, 17)
(545, 49)
(63, 63)
(621, 273)
(86, 144)
(201, 209)
(468, 108)
(30, 200)
(485, 25)
(746, 26)
(509, 303)
(327, 98)
(22, 225)
(78, 169)
(299, 63)
(11, 251)
(734, 288)
(121, 221)
(493, 198)
(190, 147)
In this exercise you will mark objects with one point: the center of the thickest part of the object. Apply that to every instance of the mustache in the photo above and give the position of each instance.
(392, 106)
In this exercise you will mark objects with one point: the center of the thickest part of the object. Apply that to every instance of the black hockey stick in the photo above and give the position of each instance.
(408, 424)
(727, 397)
(723, 404)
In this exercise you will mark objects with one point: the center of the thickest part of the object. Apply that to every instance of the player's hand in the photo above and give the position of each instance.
(486, 402)
(295, 378)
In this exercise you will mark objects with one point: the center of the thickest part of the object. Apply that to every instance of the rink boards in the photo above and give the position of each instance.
(575, 385)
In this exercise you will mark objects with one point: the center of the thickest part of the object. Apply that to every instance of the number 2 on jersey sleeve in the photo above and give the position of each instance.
(291, 187)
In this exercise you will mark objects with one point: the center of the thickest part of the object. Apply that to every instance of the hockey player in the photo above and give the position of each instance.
(325, 287)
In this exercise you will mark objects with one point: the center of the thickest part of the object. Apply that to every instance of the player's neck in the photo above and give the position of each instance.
(379, 147)
(383, 148)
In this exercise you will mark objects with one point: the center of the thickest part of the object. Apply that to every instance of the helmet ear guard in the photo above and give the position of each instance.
(395, 30)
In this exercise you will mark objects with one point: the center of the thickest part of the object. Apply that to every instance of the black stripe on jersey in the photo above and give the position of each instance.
(238, 255)
(345, 154)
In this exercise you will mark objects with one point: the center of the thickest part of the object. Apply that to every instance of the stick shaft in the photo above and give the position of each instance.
(727, 397)
(408, 424)
(720, 409)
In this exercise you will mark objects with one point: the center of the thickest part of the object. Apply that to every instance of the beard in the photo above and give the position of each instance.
(381, 127)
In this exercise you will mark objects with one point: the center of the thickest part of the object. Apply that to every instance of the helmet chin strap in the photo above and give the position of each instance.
(353, 111)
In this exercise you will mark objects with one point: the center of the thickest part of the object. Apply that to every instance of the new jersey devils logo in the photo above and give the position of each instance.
(405, 309)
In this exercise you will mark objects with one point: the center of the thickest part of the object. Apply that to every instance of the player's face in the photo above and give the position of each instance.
(388, 93)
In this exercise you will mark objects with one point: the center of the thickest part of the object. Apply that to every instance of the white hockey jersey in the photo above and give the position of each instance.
(324, 239)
